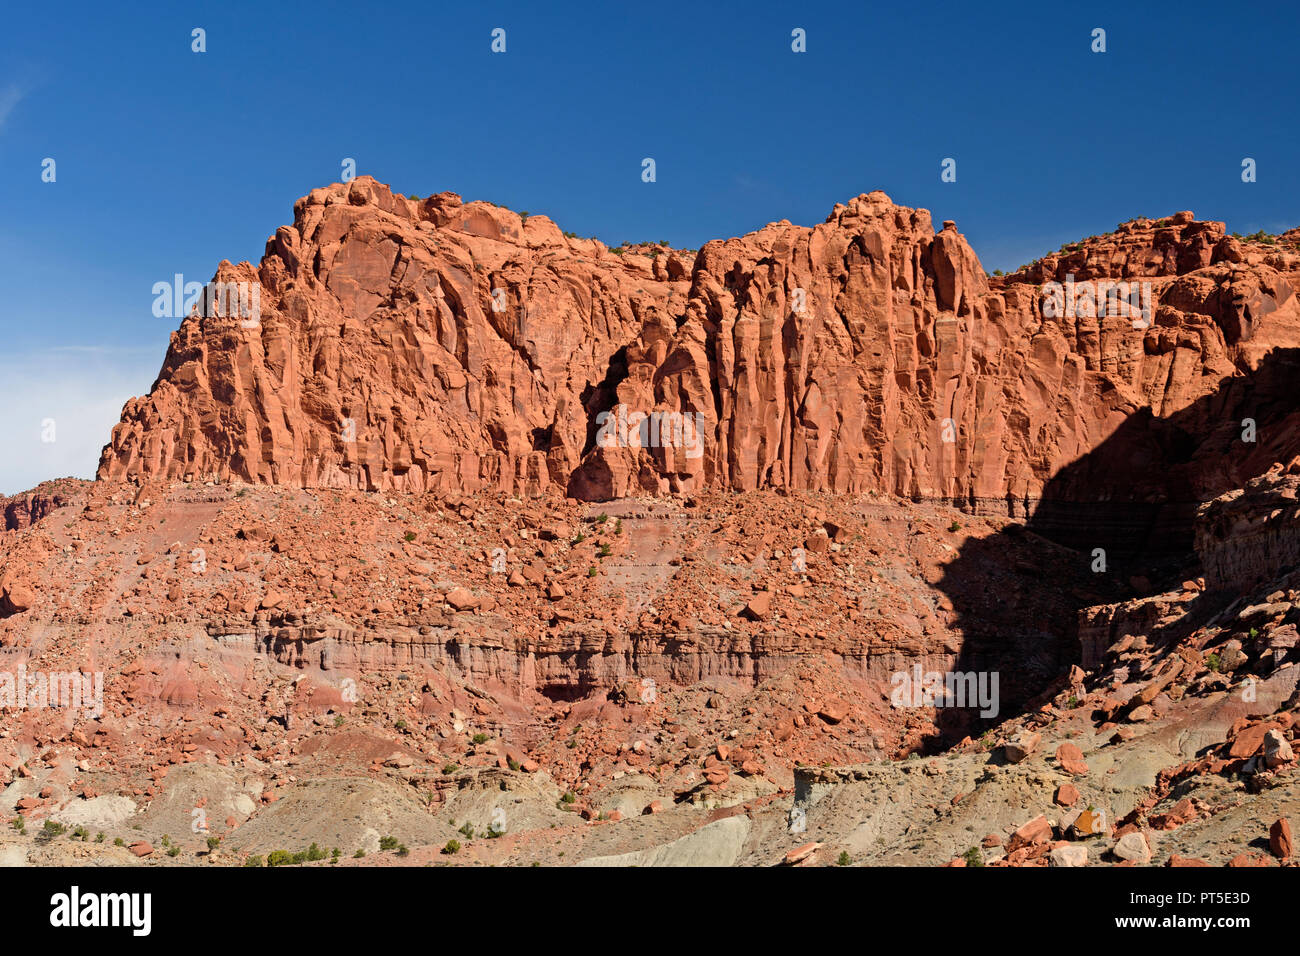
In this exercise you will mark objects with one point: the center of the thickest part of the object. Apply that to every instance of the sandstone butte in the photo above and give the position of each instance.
(437, 345)
(274, 635)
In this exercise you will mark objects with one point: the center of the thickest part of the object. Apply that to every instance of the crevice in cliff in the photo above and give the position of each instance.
(602, 396)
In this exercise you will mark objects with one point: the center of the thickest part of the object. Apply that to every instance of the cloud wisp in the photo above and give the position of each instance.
(10, 96)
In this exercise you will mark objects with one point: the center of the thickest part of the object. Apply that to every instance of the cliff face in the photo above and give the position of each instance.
(26, 509)
(439, 345)
(1251, 535)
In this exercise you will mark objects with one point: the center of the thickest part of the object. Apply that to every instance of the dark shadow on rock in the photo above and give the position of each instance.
(1130, 503)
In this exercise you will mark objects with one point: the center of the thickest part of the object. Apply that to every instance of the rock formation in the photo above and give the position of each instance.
(844, 455)
(437, 344)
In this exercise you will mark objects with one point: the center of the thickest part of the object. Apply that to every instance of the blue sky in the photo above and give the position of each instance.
(169, 161)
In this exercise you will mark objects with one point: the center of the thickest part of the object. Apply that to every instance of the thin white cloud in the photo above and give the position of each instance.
(104, 349)
(10, 97)
(73, 396)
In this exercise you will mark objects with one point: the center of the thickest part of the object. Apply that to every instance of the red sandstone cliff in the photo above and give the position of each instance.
(434, 344)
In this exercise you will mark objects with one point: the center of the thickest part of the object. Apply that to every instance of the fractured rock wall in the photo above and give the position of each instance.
(435, 344)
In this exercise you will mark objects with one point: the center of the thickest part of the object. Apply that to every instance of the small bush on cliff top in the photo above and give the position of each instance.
(973, 857)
